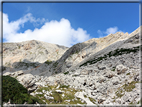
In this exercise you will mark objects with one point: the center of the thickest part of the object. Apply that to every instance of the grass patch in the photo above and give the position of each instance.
(129, 87)
(128, 74)
(119, 93)
(125, 87)
(64, 86)
(68, 98)
(92, 100)
(57, 97)
(44, 88)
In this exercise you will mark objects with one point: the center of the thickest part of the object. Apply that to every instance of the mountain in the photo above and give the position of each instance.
(100, 71)
(30, 54)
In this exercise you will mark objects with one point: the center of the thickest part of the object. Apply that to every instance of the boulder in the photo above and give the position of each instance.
(109, 74)
(101, 79)
(68, 64)
(7, 73)
(81, 96)
(84, 72)
(27, 80)
(48, 97)
(32, 88)
(121, 69)
(17, 73)
(59, 91)
(137, 77)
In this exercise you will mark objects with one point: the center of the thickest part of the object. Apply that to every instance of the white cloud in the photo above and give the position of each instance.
(57, 32)
(111, 30)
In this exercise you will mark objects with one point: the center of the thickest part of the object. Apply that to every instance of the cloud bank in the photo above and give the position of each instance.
(57, 32)
(108, 31)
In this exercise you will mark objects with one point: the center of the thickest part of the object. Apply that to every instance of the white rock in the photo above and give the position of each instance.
(48, 97)
(59, 91)
(81, 96)
(7, 73)
(121, 69)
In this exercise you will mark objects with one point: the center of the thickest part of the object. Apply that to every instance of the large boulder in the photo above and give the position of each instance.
(85, 72)
(14, 74)
(27, 80)
(7, 73)
(17, 73)
(121, 69)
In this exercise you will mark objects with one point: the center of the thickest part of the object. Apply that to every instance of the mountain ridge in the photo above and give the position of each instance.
(103, 71)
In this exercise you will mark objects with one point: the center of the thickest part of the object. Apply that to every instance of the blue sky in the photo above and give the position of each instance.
(67, 23)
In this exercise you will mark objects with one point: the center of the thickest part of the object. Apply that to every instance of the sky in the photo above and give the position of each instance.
(67, 23)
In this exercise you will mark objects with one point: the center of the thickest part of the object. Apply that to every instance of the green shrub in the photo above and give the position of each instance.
(48, 62)
(55, 64)
(21, 64)
(113, 68)
(15, 91)
(116, 52)
(66, 72)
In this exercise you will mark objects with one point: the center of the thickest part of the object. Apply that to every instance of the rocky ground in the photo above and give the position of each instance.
(110, 76)
(112, 81)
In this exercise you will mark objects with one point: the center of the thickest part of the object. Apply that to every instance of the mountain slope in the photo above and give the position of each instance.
(81, 51)
(31, 53)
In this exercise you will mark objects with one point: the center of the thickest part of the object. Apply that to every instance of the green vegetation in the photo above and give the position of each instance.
(140, 102)
(66, 97)
(43, 88)
(113, 68)
(48, 62)
(119, 93)
(55, 64)
(21, 64)
(64, 86)
(126, 87)
(14, 91)
(66, 72)
(128, 73)
(57, 97)
(116, 52)
(129, 87)
(92, 100)
(74, 75)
